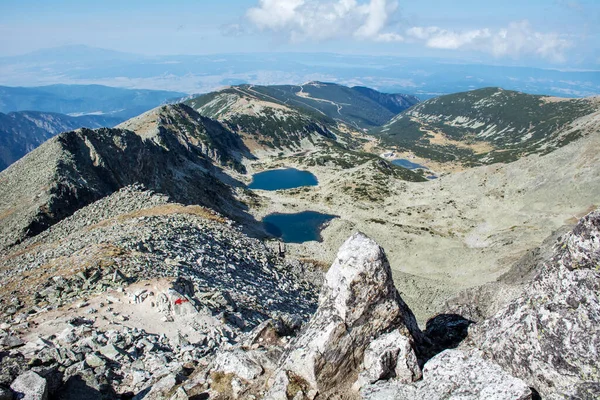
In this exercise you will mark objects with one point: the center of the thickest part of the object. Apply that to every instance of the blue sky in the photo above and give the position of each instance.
(554, 33)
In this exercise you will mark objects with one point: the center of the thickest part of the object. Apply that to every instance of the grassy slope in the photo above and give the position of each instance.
(512, 123)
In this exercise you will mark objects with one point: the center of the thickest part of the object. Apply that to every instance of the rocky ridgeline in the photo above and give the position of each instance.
(75, 169)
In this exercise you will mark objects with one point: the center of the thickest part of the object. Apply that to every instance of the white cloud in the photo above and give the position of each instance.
(516, 40)
(303, 20)
(370, 20)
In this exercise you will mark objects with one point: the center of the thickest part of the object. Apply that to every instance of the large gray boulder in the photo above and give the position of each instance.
(454, 374)
(550, 336)
(30, 386)
(358, 303)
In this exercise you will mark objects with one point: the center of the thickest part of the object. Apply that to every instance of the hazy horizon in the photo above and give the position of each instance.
(422, 48)
(540, 33)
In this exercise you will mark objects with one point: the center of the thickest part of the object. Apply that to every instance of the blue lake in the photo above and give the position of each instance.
(296, 228)
(288, 178)
(401, 162)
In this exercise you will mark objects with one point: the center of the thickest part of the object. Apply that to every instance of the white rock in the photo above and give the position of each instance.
(30, 386)
(454, 374)
(237, 362)
(387, 356)
(358, 302)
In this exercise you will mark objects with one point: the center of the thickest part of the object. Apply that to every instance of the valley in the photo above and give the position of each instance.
(464, 229)
(485, 218)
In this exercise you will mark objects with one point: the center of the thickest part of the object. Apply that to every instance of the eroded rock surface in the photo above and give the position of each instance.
(550, 336)
(358, 303)
(454, 374)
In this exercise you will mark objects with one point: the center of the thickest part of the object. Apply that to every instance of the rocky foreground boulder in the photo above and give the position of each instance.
(359, 308)
(362, 342)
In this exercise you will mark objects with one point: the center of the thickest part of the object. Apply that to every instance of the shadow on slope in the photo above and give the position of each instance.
(77, 168)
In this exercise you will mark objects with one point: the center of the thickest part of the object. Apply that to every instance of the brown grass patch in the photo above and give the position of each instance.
(163, 210)
(438, 138)
(322, 265)
(100, 256)
(221, 383)
(7, 212)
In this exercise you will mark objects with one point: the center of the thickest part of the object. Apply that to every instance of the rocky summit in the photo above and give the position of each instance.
(136, 262)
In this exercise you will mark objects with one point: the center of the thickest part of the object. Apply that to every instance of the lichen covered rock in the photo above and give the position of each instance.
(454, 374)
(550, 336)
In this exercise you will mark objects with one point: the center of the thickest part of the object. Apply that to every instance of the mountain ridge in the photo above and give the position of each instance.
(23, 131)
(489, 125)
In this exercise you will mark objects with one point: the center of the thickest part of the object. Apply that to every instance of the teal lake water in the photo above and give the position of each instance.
(296, 228)
(277, 179)
(401, 162)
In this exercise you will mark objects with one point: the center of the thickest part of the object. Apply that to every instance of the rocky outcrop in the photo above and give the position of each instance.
(362, 341)
(133, 289)
(550, 336)
(358, 304)
(390, 355)
(454, 374)
(194, 131)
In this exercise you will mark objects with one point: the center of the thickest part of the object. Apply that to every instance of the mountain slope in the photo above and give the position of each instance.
(207, 135)
(83, 99)
(23, 131)
(359, 107)
(76, 168)
(489, 125)
(264, 123)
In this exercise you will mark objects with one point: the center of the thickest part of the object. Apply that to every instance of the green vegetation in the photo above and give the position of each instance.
(338, 156)
(510, 124)
(325, 102)
(358, 107)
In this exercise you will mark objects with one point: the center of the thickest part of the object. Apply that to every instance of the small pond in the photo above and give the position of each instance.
(277, 179)
(401, 162)
(296, 228)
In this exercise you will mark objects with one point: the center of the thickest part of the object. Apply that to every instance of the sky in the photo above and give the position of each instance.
(543, 33)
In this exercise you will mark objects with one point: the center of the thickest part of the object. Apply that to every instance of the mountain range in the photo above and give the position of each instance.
(420, 76)
(79, 100)
(136, 263)
(490, 125)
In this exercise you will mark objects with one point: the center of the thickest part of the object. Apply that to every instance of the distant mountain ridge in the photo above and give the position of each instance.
(289, 117)
(359, 107)
(33, 115)
(84, 99)
(264, 122)
(23, 131)
(424, 77)
(489, 125)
